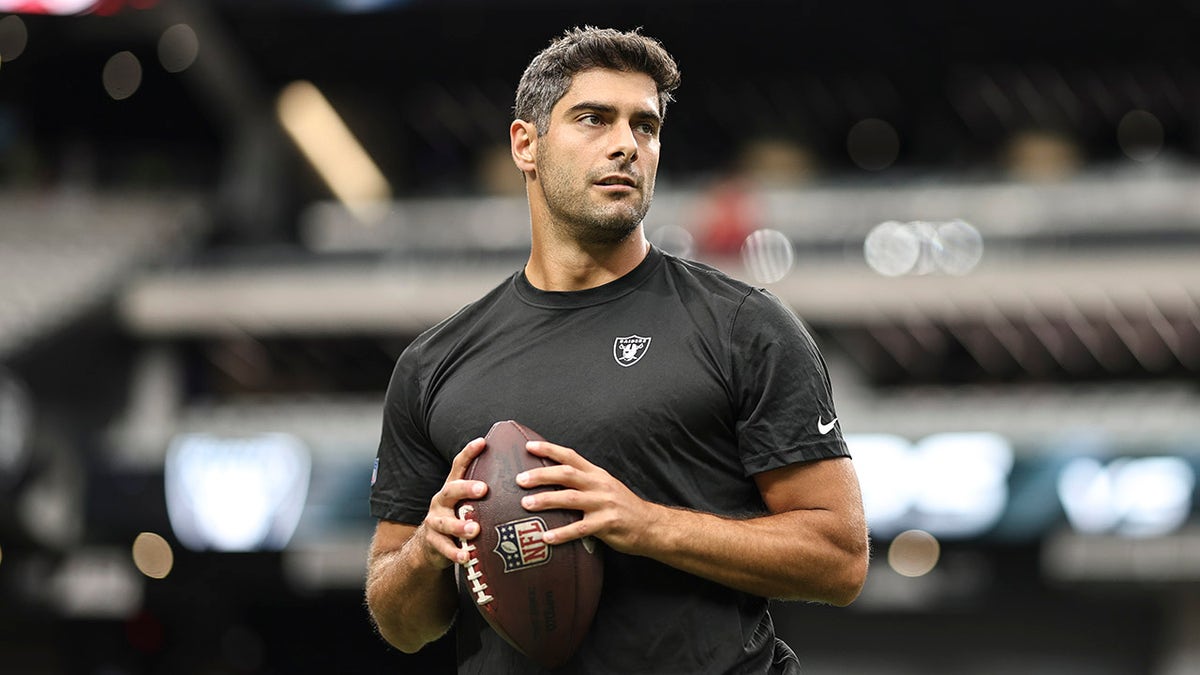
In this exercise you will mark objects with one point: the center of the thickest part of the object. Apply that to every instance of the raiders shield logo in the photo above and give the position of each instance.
(629, 350)
(520, 545)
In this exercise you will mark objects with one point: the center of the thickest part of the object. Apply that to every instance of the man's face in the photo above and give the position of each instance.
(597, 161)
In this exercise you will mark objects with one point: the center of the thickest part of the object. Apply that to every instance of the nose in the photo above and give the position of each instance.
(623, 143)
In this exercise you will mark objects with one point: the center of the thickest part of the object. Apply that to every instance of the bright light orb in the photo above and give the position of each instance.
(768, 256)
(122, 75)
(958, 248)
(178, 48)
(13, 38)
(152, 555)
(892, 249)
(914, 553)
(674, 240)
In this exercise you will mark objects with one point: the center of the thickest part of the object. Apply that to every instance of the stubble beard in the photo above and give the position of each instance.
(582, 217)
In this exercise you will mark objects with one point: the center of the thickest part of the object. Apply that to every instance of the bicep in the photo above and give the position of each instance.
(826, 485)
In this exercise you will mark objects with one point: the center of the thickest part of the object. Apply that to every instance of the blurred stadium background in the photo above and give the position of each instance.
(220, 223)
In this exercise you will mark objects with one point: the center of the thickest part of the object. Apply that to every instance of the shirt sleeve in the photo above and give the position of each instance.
(784, 399)
(409, 470)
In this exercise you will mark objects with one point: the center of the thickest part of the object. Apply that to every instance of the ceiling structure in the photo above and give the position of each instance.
(428, 91)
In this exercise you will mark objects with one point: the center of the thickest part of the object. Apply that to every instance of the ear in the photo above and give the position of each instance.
(523, 139)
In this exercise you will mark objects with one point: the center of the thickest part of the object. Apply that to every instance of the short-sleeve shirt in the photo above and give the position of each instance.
(678, 380)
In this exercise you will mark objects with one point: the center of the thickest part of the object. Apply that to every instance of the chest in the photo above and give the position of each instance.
(640, 391)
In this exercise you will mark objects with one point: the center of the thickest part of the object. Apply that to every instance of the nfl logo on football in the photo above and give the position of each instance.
(520, 544)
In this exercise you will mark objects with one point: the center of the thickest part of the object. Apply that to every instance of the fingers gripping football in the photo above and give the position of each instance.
(611, 511)
(442, 528)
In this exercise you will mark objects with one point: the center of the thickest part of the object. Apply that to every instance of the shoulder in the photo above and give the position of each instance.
(704, 275)
(746, 303)
(711, 283)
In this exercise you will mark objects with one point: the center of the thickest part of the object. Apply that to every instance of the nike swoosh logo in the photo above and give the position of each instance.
(825, 428)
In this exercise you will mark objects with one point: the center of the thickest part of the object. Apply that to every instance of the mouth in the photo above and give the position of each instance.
(617, 180)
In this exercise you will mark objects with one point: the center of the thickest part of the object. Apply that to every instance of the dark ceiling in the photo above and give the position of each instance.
(427, 85)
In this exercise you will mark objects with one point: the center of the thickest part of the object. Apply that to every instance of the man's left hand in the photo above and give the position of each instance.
(611, 511)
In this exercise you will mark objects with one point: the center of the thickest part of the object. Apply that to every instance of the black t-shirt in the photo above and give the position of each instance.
(678, 380)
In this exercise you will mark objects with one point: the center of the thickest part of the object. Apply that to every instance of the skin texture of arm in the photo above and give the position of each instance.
(410, 575)
(411, 597)
(812, 546)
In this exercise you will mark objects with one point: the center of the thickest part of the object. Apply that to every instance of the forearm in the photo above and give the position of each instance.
(411, 596)
(804, 554)
(811, 546)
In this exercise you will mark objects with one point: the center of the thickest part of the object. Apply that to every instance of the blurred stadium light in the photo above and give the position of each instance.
(14, 36)
(914, 553)
(152, 555)
(48, 6)
(1142, 497)
(236, 494)
(333, 151)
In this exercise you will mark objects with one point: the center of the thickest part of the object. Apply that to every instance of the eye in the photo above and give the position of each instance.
(591, 120)
(648, 128)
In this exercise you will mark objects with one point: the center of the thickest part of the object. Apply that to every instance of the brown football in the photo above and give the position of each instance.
(538, 597)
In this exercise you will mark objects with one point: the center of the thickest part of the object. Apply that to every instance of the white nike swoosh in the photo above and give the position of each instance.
(825, 428)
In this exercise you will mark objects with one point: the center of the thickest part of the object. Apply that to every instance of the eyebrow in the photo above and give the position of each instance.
(644, 114)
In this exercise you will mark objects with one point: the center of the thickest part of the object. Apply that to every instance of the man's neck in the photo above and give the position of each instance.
(560, 266)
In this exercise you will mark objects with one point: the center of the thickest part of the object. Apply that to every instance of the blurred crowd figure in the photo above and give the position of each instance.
(1041, 155)
(729, 211)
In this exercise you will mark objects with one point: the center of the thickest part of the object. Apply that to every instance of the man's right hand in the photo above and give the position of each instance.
(442, 529)
(410, 590)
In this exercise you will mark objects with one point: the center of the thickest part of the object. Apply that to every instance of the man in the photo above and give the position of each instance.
(690, 413)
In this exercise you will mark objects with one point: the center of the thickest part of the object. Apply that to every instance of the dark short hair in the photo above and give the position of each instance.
(549, 74)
